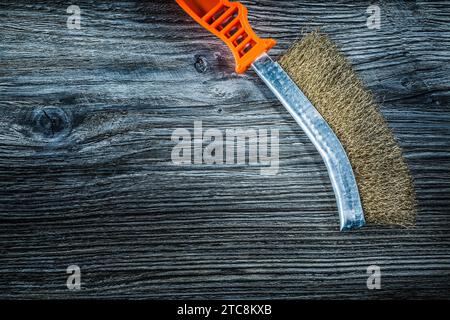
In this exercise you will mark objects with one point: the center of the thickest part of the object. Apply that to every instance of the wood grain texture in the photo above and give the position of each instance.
(86, 178)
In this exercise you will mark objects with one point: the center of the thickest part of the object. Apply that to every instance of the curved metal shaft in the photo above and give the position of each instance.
(319, 132)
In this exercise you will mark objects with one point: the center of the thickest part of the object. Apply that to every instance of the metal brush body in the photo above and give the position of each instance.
(228, 21)
(324, 139)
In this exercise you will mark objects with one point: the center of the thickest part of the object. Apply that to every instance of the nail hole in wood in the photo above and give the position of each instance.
(201, 64)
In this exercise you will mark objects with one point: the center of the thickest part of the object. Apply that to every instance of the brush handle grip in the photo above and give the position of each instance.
(228, 21)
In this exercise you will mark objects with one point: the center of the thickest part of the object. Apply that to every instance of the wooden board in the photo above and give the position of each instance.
(86, 177)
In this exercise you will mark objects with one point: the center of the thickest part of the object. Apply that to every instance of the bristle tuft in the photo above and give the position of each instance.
(328, 80)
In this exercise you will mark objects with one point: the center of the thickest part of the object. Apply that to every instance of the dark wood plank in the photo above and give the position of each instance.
(86, 178)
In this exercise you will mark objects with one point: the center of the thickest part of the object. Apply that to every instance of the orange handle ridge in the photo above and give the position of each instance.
(228, 21)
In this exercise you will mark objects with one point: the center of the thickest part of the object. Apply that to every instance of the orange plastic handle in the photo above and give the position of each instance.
(228, 21)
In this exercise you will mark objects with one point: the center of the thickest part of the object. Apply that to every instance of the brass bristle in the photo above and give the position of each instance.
(328, 80)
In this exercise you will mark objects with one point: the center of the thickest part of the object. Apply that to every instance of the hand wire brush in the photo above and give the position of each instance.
(369, 175)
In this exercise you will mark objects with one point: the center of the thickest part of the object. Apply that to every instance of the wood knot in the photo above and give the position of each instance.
(405, 82)
(50, 122)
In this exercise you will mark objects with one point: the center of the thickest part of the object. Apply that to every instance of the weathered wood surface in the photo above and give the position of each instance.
(86, 176)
